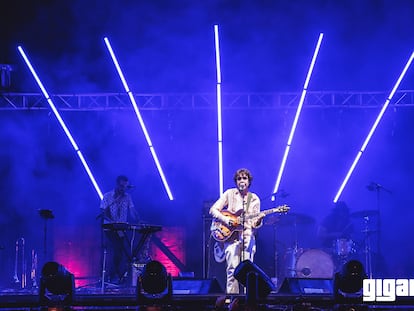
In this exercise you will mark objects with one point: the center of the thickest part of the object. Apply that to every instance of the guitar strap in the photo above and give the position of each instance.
(249, 198)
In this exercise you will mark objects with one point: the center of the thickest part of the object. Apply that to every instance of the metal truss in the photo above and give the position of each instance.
(170, 101)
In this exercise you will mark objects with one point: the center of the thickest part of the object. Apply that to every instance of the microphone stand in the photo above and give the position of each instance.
(243, 193)
(243, 224)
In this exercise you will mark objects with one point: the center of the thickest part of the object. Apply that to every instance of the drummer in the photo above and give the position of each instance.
(336, 227)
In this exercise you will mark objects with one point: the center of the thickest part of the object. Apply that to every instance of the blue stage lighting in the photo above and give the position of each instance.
(57, 285)
(348, 282)
(154, 284)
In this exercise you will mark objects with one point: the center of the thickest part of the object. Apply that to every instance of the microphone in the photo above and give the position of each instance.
(373, 186)
(242, 186)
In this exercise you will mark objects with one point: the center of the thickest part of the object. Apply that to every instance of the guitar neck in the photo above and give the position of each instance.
(266, 212)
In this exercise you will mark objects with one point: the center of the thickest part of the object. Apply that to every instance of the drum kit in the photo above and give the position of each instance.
(322, 263)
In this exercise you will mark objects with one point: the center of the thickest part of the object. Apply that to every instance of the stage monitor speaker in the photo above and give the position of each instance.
(213, 269)
(190, 286)
(307, 286)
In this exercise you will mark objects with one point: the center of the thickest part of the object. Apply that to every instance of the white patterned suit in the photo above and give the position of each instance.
(233, 201)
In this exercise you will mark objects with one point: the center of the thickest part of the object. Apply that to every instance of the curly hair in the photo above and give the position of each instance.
(243, 171)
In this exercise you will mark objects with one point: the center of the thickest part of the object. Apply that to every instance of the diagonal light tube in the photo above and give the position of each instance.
(141, 121)
(374, 126)
(298, 111)
(61, 122)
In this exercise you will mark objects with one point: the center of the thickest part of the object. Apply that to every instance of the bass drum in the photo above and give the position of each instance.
(314, 263)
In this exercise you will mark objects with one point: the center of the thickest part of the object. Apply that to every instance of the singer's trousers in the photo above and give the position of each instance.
(234, 256)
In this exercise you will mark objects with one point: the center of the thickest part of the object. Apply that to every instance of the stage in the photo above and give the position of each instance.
(319, 109)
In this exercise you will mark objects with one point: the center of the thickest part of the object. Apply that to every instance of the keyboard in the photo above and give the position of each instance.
(123, 226)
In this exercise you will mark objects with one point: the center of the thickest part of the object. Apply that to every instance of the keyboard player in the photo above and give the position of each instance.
(117, 207)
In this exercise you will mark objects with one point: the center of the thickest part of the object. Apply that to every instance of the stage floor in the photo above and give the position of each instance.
(93, 297)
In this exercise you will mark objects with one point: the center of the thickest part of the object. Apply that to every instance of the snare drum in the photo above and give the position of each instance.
(343, 247)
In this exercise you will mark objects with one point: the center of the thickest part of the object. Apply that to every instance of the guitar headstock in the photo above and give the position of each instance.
(282, 208)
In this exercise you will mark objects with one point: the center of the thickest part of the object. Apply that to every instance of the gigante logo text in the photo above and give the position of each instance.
(386, 290)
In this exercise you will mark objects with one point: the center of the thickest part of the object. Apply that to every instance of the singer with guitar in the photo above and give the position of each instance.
(241, 244)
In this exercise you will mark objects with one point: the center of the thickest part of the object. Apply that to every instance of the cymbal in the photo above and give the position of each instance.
(294, 218)
(365, 213)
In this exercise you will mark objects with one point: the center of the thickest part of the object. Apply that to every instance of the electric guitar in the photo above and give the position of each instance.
(221, 231)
